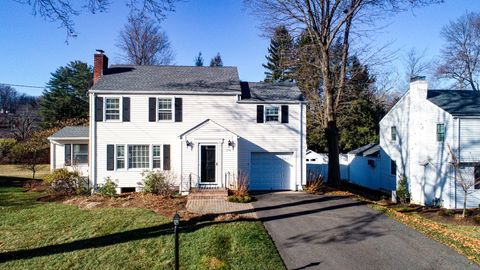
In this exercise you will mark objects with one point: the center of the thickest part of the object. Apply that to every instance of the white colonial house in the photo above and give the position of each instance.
(415, 137)
(202, 124)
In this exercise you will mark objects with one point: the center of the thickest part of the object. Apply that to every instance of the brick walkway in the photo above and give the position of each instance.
(220, 206)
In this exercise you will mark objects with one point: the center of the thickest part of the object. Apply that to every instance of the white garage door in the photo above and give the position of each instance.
(270, 171)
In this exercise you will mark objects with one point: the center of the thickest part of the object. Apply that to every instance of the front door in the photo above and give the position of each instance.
(208, 164)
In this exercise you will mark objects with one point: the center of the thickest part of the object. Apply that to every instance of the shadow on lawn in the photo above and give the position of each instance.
(191, 225)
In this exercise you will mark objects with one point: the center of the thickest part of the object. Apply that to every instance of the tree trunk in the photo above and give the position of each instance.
(331, 131)
(464, 204)
(33, 174)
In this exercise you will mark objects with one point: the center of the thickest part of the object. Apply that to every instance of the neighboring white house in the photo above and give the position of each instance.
(201, 123)
(415, 136)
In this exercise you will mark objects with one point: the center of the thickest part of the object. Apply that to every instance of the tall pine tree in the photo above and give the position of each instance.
(216, 61)
(280, 57)
(199, 60)
(66, 94)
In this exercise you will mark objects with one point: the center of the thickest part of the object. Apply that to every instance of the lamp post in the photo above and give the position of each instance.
(176, 222)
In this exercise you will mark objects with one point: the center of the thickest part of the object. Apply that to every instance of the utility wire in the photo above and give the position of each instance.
(22, 85)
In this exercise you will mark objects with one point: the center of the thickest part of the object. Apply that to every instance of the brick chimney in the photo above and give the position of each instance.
(100, 64)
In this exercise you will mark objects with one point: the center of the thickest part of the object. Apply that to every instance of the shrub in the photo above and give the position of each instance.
(240, 199)
(402, 190)
(6, 146)
(158, 182)
(446, 213)
(314, 183)
(242, 185)
(67, 182)
(108, 189)
(477, 219)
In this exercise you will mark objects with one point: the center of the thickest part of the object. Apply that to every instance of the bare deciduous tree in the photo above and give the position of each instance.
(63, 11)
(143, 43)
(460, 59)
(467, 176)
(416, 63)
(327, 23)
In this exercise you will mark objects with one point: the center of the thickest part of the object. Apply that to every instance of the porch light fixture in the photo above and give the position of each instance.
(231, 143)
(189, 144)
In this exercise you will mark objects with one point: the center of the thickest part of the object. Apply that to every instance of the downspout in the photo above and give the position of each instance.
(93, 143)
(301, 147)
(458, 154)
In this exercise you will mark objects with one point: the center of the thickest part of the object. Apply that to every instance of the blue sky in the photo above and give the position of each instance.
(31, 48)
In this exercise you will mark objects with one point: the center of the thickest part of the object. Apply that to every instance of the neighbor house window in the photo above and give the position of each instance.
(476, 176)
(164, 109)
(271, 114)
(440, 132)
(156, 157)
(112, 108)
(120, 156)
(393, 132)
(393, 167)
(138, 156)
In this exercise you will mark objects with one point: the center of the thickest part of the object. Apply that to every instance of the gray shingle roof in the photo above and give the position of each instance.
(261, 91)
(71, 132)
(169, 79)
(366, 150)
(456, 102)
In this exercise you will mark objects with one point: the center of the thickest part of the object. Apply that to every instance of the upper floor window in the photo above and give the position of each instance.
(272, 114)
(393, 131)
(440, 132)
(165, 109)
(112, 108)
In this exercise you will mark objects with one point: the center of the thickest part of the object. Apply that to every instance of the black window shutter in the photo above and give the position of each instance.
(98, 109)
(151, 109)
(166, 157)
(284, 113)
(110, 159)
(259, 113)
(126, 109)
(68, 154)
(178, 110)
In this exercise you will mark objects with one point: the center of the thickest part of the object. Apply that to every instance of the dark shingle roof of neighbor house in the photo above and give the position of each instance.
(71, 132)
(366, 150)
(262, 91)
(169, 79)
(456, 102)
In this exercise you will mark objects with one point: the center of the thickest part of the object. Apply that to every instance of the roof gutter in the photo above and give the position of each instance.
(158, 92)
(245, 101)
(67, 138)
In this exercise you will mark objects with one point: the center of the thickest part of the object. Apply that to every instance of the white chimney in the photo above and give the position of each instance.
(418, 87)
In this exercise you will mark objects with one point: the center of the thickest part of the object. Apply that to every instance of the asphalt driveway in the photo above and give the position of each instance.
(330, 232)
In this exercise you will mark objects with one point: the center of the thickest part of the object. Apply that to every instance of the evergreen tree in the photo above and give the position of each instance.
(199, 60)
(216, 61)
(66, 94)
(280, 57)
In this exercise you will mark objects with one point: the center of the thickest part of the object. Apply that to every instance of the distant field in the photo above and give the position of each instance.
(16, 171)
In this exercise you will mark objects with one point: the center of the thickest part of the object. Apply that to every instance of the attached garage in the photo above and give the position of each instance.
(270, 171)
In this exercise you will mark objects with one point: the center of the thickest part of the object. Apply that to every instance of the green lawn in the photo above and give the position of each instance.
(36, 235)
(17, 171)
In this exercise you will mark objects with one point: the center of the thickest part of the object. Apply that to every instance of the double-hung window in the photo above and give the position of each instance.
(138, 156)
(440, 132)
(272, 114)
(476, 177)
(156, 160)
(112, 109)
(393, 131)
(120, 156)
(165, 109)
